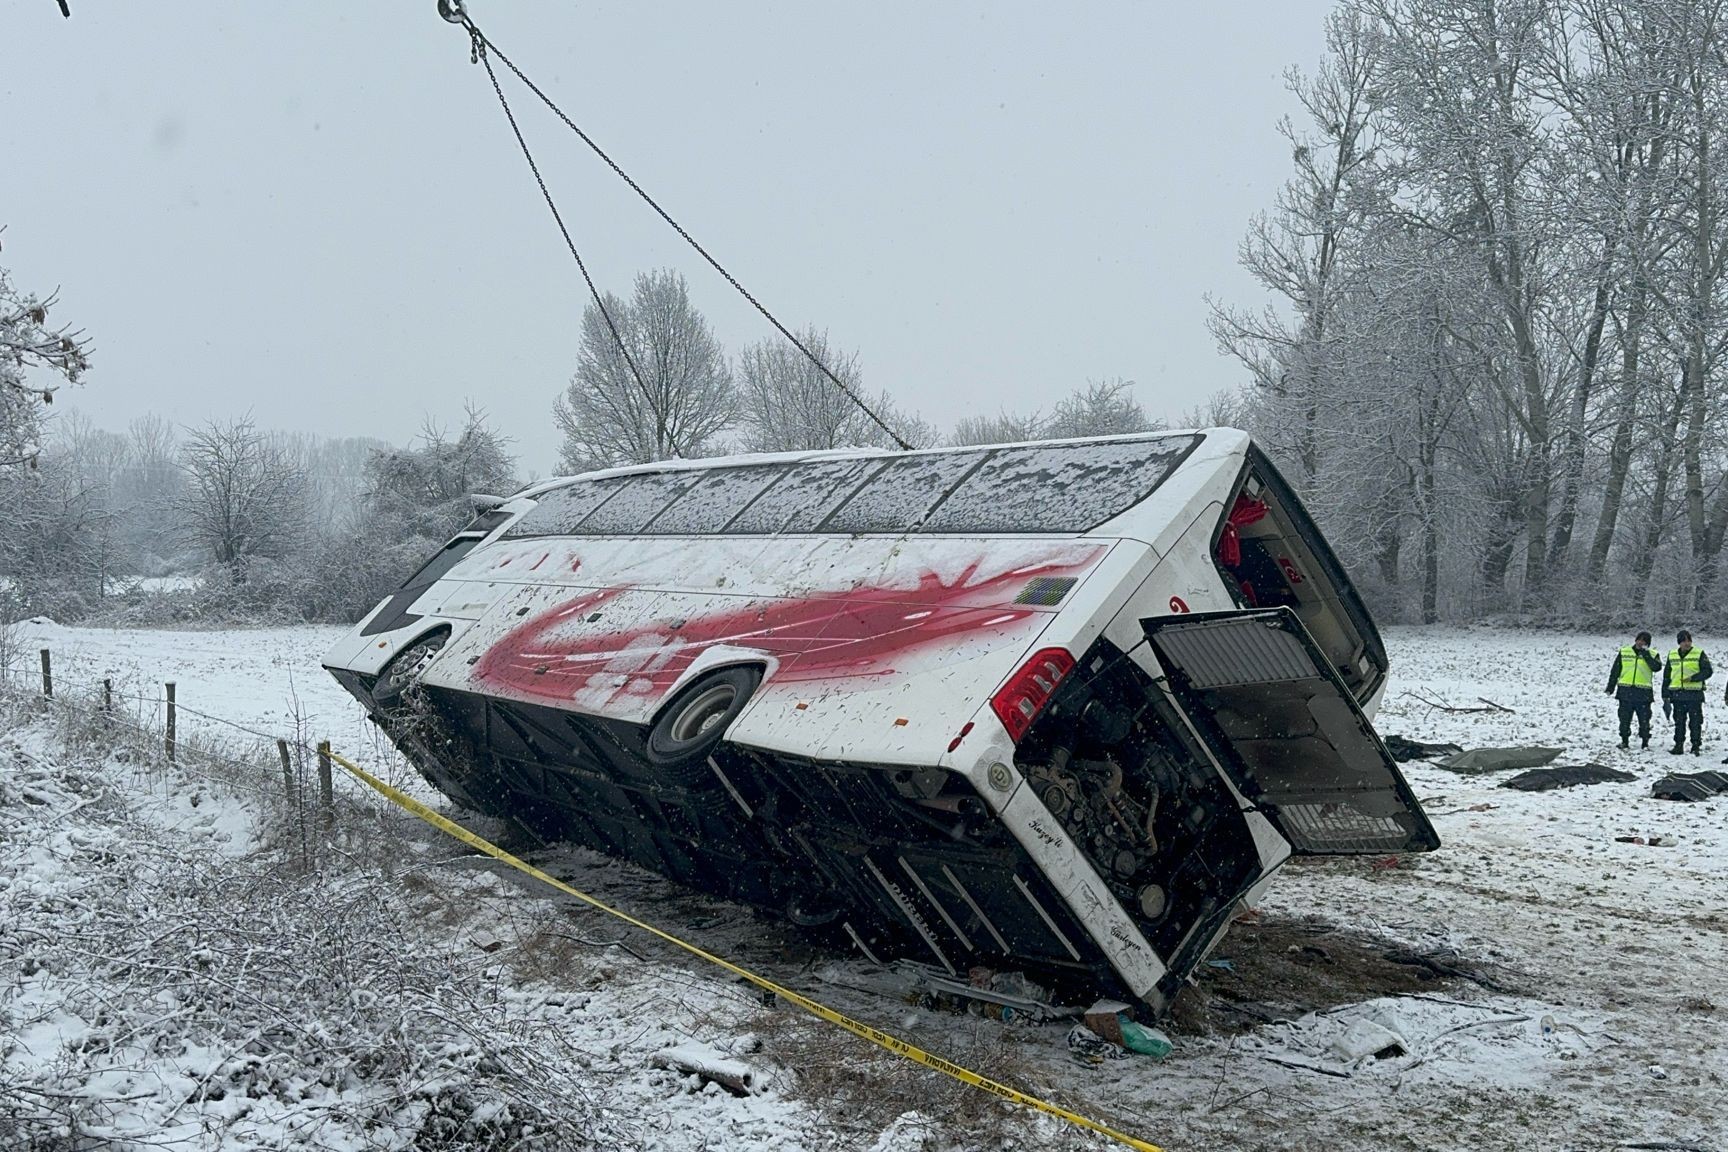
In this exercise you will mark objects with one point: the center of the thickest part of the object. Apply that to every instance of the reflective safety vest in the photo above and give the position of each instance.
(1683, 671)
(1634, 671)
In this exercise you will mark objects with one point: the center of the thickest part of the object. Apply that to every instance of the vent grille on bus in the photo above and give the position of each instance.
(1219, 653)
(1326, 828)
(1046, 591)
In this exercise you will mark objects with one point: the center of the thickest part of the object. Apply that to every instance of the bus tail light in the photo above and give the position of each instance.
(1029, 689)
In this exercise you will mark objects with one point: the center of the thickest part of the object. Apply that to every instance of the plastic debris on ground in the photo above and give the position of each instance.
(1109, 1020)
(1404, 749)
(1690, 786)
(1479, 760)
(1565, 776)
(1391, 1035)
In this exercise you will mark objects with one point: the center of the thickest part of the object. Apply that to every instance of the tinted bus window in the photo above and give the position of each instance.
(716, 499)
(556, 513)
(642, 498)
(1059, 487)
(897, 497)
(804, 496)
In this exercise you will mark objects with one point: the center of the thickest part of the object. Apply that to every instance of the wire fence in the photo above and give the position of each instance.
(286, 774)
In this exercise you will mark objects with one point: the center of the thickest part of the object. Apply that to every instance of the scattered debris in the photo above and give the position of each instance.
(1109, 1020)
(1393, 1036)
(1690, 785)
(1404, 749)
(486, 942)
(984, 992)
(1481, 760)
(1483, 705)
(1652, 840)
(1565, 776)
(1087, 1047)
(1482, 807)
(1366, 1038)
(710, 1064)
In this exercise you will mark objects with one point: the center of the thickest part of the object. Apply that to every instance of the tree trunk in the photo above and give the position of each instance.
(1645, 558)
(1709, 563)
(1502, 538)
(1430, 536)
(1572, 465)
(1620, 454)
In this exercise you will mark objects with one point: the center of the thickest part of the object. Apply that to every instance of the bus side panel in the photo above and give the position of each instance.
(889, 644)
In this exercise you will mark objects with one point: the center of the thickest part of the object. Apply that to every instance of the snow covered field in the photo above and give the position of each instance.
(1595, 1020)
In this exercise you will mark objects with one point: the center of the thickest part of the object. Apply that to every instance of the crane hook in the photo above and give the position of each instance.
(453, 11)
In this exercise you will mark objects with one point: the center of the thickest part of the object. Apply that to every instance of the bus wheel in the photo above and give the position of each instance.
(688, 728)
(404, 671)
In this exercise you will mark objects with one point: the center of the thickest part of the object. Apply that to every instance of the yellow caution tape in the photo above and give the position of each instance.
(881, 1039)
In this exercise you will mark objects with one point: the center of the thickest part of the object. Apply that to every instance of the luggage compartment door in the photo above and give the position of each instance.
(1288, 732)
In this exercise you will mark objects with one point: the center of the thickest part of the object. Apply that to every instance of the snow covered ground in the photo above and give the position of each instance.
(1603, 1028)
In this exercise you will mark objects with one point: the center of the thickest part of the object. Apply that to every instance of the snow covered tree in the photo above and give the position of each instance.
(424, 491)
(1100, 408)
(1002, 428)
(35, 359)
(683, 400)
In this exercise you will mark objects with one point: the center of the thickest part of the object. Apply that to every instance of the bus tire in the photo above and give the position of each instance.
(404, 670)
(690, 726)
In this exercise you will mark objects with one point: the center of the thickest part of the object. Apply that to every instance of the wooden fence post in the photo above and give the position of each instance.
(107, 702)
(326, 788)
(287, 768)
(47, 679)
(168, 734)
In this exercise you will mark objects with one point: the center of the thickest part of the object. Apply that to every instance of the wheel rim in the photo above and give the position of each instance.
(407, 669)
(702, 712)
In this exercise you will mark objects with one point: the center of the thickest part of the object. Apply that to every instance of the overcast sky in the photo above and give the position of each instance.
(315, 211)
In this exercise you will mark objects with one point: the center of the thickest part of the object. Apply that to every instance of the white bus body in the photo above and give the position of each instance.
(1056, 707)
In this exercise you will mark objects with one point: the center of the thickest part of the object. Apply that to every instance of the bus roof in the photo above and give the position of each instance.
(540, 487)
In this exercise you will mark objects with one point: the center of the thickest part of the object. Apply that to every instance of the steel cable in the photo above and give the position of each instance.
(482, 50)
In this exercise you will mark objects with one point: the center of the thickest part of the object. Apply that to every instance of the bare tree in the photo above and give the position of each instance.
(1300, 250)
(787, 404)
(683, 400)
(244, 496)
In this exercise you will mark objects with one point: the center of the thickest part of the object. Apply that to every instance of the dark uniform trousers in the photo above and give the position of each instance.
(1688, 714)
(1632, 707)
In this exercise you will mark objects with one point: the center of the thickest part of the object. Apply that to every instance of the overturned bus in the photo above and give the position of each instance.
(1058, 707)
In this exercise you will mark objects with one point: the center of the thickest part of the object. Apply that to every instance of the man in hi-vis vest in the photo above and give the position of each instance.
(1633, 680)
(1683, 691)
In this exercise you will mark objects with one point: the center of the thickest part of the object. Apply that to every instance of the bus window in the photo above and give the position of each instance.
(897, 497)
(394, 614)
(641, 498)
(1059, 487)
(804, 496)
(716, 499)
(556, 513)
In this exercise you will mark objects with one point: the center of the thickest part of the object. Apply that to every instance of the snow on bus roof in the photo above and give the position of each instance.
(541, 487)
